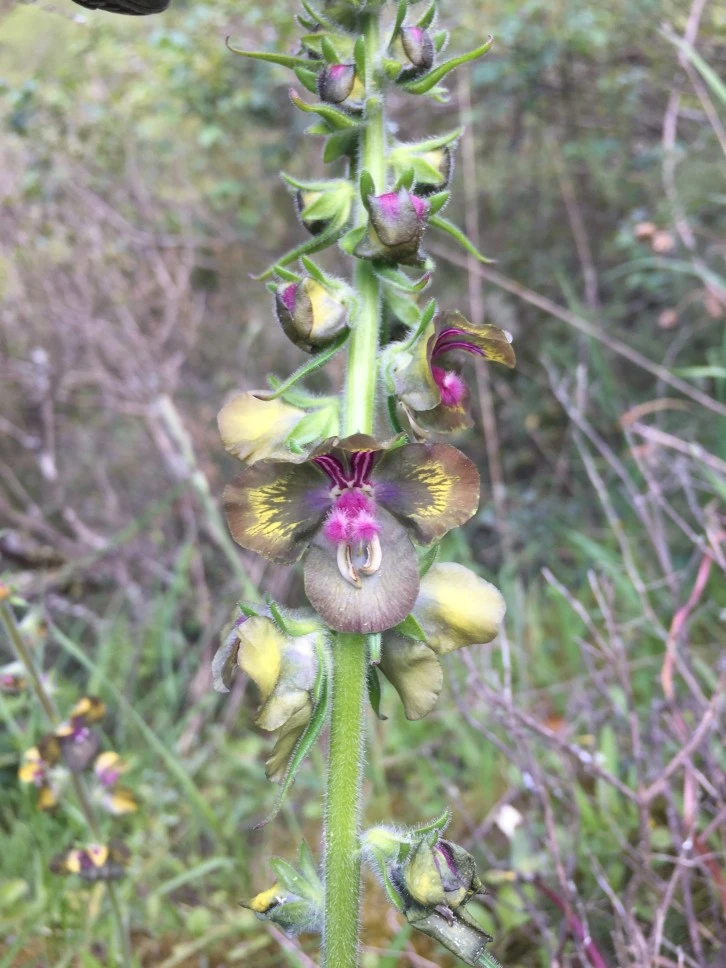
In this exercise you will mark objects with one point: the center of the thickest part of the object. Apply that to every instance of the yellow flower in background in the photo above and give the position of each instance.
(115, 799)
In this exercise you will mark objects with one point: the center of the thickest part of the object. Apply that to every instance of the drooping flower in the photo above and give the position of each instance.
(115, 799)
(433, 397)
(455, 608)
(94, 862)
(253, 428)
(284, 665)
(396, 224)
(38, 772)
(414, 49)
(311, 314)
(352, 509)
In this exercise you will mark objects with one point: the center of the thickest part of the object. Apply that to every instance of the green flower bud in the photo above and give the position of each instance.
(319, 207)
(311, 314)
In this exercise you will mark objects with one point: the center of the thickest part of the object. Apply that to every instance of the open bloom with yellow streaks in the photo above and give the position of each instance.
(95, 862)
(35, 770)
(115, 799)
(352, 509)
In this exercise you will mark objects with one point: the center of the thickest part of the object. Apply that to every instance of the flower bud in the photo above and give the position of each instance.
(397, 221)
(442, 874)
(439, 167)
(255, 429)
(418, 47)
(340, 84)
(323, 204)
(295, 900)
(310, 314)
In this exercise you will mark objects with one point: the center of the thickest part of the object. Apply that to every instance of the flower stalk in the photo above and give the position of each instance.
(54, 719)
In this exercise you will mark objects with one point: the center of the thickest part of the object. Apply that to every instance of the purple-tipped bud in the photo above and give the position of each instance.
(440, 160)
(310, 315)
(336, 83)
(397, 223)
(418, 47)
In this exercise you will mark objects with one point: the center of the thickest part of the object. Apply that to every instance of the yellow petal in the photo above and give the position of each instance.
(91, 708)
(260, 653)
(46, 798)
(120, 802)
(98, 853)
(287, 739)
(422, 877)
(109, 761)
(72, 861)
(254, 429)
(262, 902)
(456, 608)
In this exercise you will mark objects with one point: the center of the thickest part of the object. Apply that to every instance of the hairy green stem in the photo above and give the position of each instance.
(49, 708)
(345, 758)
(343, 807)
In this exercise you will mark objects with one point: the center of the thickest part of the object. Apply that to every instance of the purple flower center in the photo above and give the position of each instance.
(288, 296)
(351, 523)
(390, 205)
(454, 339)
(451, 386)
(81, 733)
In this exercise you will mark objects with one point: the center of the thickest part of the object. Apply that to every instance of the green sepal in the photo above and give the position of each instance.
(411, 629)
(373, 644)
(392, 409)
(305, 23)
(272, 57)
(318, 16)
(429, 17)
(304, 745)
(293, 881)
(251, 611)
(401, 12)
(359, 58)
(306, 863)
(440, 39)
(440, 94)
(438, 201)
(320, 424)
(350, 240)
(391, 68)
(424, 84)
(401, 306)
(406, 179)
(314, 244)
(339, 144)
(327, 49)
(309, 366)
(317, 273)
(366, 186)
(429, 557)
(286, 275)
(308, 79)
(393, 895)
(373, 683)
(426, 316)
(437, 825)
(336, 120)
(398, 279)
(446, 226)
(320, 185)
(430, 144)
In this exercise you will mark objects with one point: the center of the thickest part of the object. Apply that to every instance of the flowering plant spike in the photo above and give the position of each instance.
(360, 487)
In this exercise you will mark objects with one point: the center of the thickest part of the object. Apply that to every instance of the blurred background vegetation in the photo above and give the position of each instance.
(139, 190)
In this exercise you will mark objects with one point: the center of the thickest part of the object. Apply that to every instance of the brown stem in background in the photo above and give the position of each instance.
(575, 925)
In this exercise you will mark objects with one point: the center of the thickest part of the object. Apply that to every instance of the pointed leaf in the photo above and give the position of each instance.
(374, 692)
(308, 367)
(394, 277)
(446, 226)
(286, 275)
(337, 120)
(428, 558)
(437, 825)
(406, 179)
(367, 186)
(411, 629)
(351, 239)
(328, 51)
(318, 16)
(393, 895)
(430, 80)
(441, 39)
(292, 880)
(306, 863)
(438, 201)
(339, 144)
(316, 272)
(429, 17)
(314, 244)
(272, 57)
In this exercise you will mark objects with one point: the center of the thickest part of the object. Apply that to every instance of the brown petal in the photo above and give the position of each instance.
(432, 487)
(414, 672)
(384, 599)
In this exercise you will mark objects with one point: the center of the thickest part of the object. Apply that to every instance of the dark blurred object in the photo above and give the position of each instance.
(134, 8)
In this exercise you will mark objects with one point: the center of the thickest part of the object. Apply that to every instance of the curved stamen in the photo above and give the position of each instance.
(374, 557)
(345, 565)
(444, 346)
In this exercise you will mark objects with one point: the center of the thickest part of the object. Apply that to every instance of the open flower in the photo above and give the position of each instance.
(435, 398)
(455, 608)
(95, 862)
(352, 509)
(284, 665)
(115, 799)
(38, 772)
(396, 224)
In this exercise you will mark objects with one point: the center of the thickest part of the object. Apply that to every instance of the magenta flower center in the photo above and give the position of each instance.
(451, 386)
(351, 523)
(288, 296)
(390, 205)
